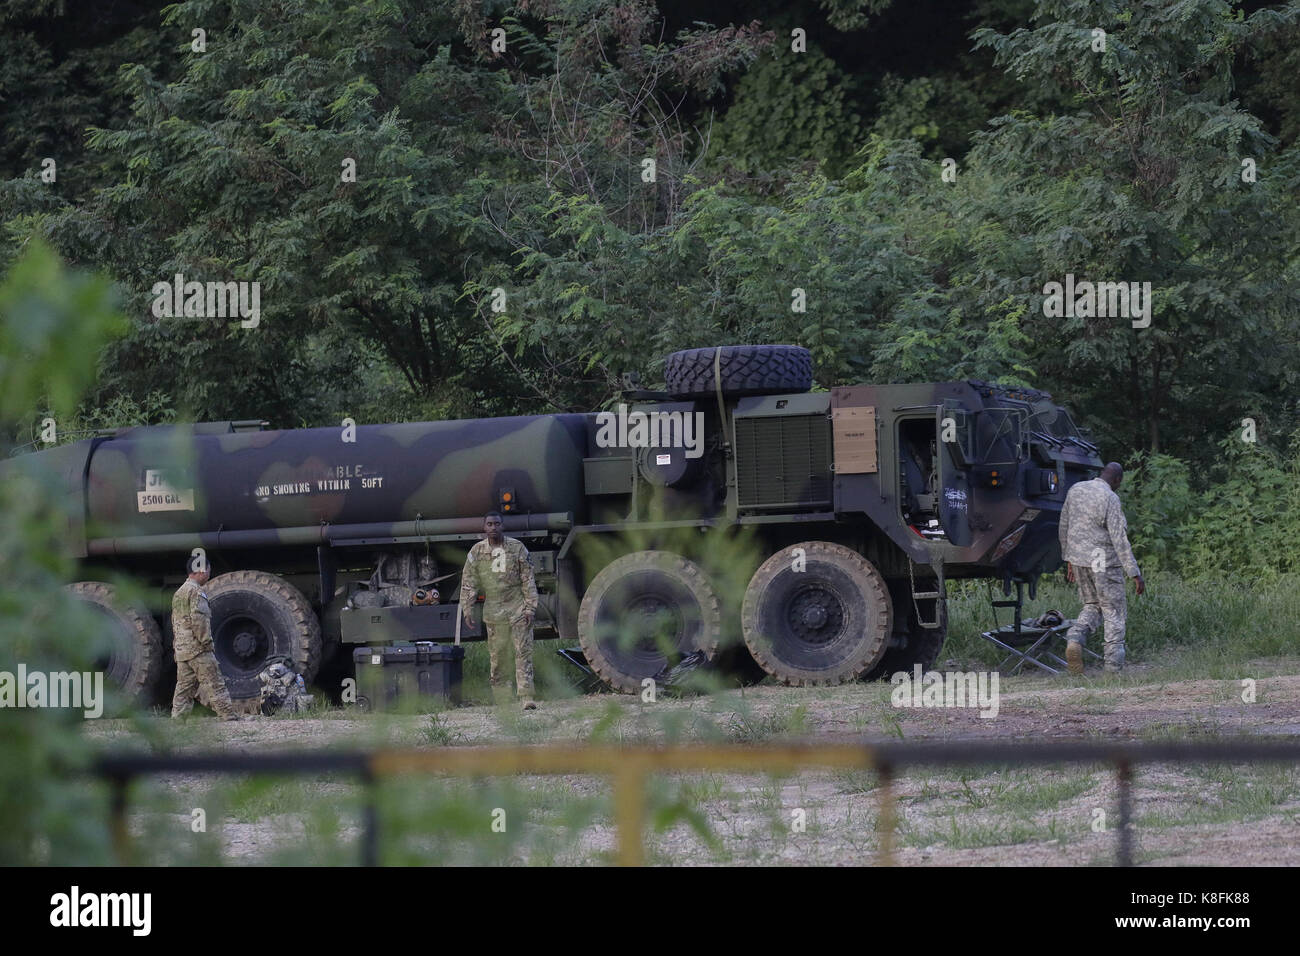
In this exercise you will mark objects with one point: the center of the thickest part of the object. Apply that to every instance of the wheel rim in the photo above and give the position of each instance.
(811, 615)
(242, 645)
(644, 620)
(815, 614)
(821, 620)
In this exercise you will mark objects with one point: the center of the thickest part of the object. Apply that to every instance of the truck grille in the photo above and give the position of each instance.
(783, 462)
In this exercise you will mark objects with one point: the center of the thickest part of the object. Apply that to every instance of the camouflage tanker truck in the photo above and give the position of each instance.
(856, 505)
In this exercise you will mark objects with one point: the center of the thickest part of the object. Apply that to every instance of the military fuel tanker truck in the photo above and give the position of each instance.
(856, 506)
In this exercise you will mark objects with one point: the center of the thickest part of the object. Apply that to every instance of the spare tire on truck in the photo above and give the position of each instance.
(131, 652)
(743, 370)
(258, 617)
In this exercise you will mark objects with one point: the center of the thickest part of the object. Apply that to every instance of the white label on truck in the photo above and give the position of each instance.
(663, 459)
(159, 495)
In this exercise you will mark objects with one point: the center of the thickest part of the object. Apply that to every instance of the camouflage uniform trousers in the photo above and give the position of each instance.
(501, 628)
(1104, 601)
(201, 672)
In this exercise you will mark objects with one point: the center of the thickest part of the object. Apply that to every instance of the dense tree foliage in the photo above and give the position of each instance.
(550, 193)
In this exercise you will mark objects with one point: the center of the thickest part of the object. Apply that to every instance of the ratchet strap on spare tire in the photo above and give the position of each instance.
(717, 386)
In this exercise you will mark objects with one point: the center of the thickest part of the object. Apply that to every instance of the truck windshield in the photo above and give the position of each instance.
(997, 436)
(1055, 421)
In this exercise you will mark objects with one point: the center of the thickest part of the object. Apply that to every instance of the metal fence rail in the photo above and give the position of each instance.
(628, 768)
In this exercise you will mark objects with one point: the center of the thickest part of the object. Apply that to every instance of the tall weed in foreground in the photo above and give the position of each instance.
(52, 325)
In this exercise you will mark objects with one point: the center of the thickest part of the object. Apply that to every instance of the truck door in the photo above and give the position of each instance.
(954, 426)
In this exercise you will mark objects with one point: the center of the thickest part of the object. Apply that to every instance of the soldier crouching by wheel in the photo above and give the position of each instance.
(498, 568)
(196, 664)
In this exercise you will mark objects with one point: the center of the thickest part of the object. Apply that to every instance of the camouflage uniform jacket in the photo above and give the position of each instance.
(503, 575)
(1092, 520)
(191, 622)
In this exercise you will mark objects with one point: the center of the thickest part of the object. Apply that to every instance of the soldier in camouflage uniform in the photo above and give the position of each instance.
(196, 665)
(498, 568)
(1094, 540)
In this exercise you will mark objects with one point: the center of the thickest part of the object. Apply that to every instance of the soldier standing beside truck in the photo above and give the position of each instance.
(498, 568)
(196, 665)
(1094, 540)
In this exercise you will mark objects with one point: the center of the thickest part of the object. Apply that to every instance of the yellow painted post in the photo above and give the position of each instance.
(629, 812)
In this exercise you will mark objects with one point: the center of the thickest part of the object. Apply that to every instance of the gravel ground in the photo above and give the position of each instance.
(1184, 815)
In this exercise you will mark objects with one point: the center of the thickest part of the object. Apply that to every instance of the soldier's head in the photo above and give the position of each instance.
(198, 572)
(492, 527)
(1113, 474)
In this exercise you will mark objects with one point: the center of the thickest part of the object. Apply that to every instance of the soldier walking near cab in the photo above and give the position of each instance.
(1094, 540)
(196, 665)
(498, 568)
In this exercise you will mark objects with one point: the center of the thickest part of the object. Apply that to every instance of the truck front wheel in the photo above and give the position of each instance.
(644, 611)
(257, 617)
(817, 613)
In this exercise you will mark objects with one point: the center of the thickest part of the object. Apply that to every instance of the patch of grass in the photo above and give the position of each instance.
(745, 727)
(704, 789)
(1201, 628)
(972, 834)
(255, 798)
(1229, 795)
(436, 732)
(1045, 794)
(525, 726)
(1094, 703)
(856, 781)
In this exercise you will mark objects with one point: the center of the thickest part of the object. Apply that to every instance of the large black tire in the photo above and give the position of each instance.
(912, 644)
(823, 618)
(744, 370)
(133, 653)
(257, 617)
(642, 613)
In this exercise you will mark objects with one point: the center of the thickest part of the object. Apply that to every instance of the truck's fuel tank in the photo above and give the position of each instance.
(149, 481)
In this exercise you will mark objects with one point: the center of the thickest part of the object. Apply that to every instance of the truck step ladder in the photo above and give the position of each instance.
(938, 596)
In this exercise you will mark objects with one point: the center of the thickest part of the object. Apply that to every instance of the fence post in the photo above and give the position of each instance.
(119, 832)
(629, 811)
(1124, 856)
(886, 819)
(369, 819)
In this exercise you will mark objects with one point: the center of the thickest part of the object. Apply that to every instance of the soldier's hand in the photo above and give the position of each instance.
(1140, 584)
(528, 618)
(469, 619)
(1069, 573)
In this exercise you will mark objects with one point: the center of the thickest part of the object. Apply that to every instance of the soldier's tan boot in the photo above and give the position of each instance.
(530, 705)
(1074, 657)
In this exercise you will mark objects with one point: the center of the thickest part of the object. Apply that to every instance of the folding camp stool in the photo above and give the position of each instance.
(1031, 645)
(1027, 642)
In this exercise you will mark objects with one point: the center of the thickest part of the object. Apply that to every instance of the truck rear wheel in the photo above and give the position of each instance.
(257, 617)
(644, 612)
(132, 654)
(817, 613)
(743, 369)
